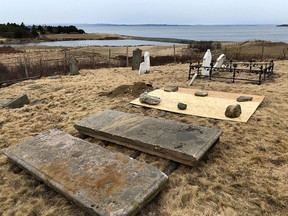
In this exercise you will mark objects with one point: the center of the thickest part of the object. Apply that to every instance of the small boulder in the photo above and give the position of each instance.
(201, 93)
(233, 111)
(17, 102)
(148, 99)
(244, 98)
(171, 88)
(182, 106)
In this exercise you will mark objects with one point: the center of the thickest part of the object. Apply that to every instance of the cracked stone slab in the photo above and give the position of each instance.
(101, 182)
(183, 143)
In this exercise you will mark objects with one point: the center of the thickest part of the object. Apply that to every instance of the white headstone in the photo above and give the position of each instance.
(206, 63)
(220, 61)
(145, 66)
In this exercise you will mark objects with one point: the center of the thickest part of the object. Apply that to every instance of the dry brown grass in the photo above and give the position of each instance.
(245, 174)
(91, 36)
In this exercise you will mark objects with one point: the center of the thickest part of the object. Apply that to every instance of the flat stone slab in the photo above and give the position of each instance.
(179, 142)
(17, 102)
(99, 181)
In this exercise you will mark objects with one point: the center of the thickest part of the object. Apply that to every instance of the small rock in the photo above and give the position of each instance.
(17, 102)
(244, 98)
(171, 88)
(233, 111)
(201, 93)
(182, 106)
(148, 99)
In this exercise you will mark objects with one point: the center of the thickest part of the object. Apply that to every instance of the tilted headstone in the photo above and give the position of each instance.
(145, 66)
(220, 60)
(74, 69)
(136, 59)
(17, 102)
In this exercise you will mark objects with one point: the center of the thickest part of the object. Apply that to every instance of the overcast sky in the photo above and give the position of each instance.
(144, 11)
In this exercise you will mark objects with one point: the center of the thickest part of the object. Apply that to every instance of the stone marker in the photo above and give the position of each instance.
(182, 106)
(3, 101)
(74, 69)
(244, 98)
(171, 88)
(233, 111)
(180, 142)
(148, 99)
(101, 182)
(201, 93)
(136, 59)
(17, 102)
(145, 66)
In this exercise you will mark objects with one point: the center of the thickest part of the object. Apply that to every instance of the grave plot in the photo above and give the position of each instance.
(179, 142)
(211, 106)
(99, 181)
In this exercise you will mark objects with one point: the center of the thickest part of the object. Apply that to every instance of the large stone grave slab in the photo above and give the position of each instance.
(176, 141)
(101, 182)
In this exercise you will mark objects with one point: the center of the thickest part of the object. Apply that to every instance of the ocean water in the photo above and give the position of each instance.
(74, 43)
(198, 32)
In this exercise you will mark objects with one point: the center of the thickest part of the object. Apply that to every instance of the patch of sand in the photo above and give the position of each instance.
(245, 174)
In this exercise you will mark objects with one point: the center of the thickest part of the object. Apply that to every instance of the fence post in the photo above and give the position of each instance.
(109, 57)
(65, 62)
(127, 57)
(93, 59)
(262, 52)
(26, 66)
(174, 48)
(41, 66)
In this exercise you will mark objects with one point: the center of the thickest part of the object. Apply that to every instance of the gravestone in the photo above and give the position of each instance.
(145, 66)
(136, 59)
(220, 60)
(17, 102)
(206, 63)
(180, 142)
(101, 182)
(74, 69)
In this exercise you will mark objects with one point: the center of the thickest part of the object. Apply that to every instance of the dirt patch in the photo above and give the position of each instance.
(129, 90)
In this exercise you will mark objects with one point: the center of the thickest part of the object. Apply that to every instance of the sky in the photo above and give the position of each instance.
(182, 12)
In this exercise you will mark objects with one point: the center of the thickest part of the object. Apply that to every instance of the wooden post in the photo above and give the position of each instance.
(109, 57)
(26, 66)
(41, 66)
(174, 48)
(65, 62)
(127, 57)
(93, 60)
(262, 52)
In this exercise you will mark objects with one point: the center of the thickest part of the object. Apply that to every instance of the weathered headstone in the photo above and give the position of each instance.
(17, 102)
(233, 111)
(136, 59)
(74, 69)
(3, 101)
(101, 182)
(180, 142)
(145, 66)
(148, 99)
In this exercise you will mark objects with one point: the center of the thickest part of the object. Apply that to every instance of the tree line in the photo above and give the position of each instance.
(13, 30)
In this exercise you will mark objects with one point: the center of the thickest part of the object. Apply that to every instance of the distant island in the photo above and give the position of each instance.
(282, 25)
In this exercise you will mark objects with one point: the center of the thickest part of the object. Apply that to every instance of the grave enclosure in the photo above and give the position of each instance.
(254, 72)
